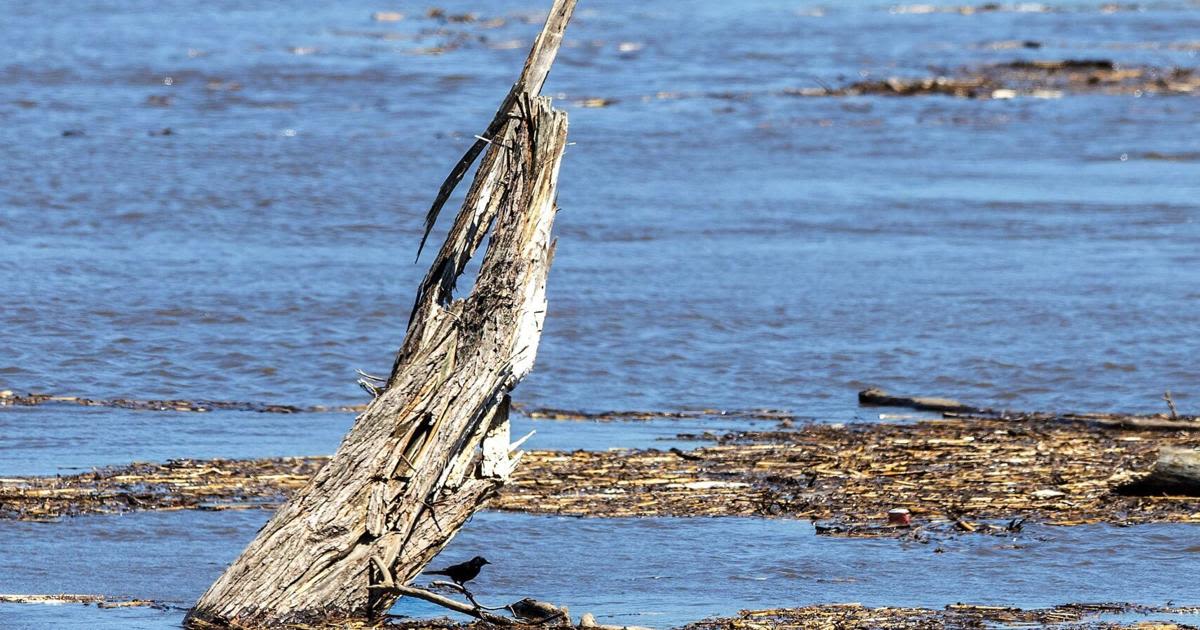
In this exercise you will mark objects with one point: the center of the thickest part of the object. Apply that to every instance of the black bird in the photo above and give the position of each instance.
(462, 572)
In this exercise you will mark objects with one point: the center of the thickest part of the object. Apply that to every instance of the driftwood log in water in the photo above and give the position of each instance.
(954, 409)
(409, 474)
(1177, 472)
(877, 397)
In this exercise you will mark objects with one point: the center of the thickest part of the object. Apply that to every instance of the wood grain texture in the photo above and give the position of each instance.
(533, 77)
(410, 473)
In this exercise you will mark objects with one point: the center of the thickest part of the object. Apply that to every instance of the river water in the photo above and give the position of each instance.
(722, 241)
(753, 250)
(650, 572)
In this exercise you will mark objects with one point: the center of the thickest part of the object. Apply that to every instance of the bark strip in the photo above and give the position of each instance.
(411, 472)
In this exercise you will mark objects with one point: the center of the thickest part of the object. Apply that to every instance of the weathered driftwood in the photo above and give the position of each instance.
(457, 606)
(1177, 472)
(527, 611)
(408, 475)
(878, 397)
(1119, 421)
(951, 408)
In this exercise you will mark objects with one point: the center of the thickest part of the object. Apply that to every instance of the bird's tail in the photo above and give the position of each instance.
(435, 573)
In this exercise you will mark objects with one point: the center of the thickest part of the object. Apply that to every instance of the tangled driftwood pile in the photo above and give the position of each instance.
(176, 485)
(820, 617)
(956, 469)
(959, 470)
(855, 616)
(1039, 78)
(100, 601)
(8, 398)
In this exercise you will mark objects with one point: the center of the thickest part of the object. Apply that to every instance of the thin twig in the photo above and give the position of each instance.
(371, 377)
(495, 142)
(463, 589)
(1171, 405)
(432, 514)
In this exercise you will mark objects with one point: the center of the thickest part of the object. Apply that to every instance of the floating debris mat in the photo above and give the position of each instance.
(217, 484)
(1041, 78)
(1038, 78)
(957, 472)
(99, 601)
(958, 616)
(549, 413)
(8, 398)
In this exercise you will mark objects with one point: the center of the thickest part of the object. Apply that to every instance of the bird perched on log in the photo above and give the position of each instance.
(462, 572)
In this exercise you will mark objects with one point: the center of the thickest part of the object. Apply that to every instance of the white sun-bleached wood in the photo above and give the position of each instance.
(434, 444)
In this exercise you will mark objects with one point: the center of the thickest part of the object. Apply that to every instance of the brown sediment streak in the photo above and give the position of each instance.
(956, 473)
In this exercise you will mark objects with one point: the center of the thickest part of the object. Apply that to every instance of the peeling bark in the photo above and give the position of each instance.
(433, 445)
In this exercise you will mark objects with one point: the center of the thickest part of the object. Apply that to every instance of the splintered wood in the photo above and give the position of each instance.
(958, 470)
(433, 444)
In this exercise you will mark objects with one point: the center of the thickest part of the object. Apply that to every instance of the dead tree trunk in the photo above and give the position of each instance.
(434, 444)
